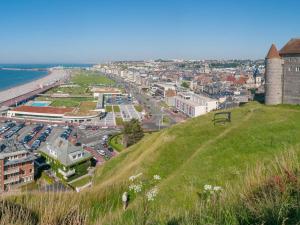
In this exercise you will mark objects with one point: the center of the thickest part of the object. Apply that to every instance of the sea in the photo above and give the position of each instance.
(12, 75)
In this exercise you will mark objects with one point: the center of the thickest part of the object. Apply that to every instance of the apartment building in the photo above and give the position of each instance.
(16, 165)
(193, 104)
(162, 89)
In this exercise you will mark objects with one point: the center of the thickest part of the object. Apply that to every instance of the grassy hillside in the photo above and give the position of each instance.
(187, 157)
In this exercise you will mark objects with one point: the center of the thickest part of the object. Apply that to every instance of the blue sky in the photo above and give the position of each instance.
(91, 31)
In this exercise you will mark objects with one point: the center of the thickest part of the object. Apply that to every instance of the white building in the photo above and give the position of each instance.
(194, 105)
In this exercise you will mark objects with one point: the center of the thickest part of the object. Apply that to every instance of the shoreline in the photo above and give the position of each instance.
(47, 72)
(53, 76)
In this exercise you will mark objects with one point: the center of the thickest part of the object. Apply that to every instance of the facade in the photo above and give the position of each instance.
(65, 158)
(194, 105)
(48, 113)
(16, 165)
(163, 89)
(283, 74)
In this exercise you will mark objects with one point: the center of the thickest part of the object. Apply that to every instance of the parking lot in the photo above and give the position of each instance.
(128, 112)
(36, 136)
(33, 135)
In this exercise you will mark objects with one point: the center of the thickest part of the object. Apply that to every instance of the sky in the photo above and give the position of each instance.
(95, 31)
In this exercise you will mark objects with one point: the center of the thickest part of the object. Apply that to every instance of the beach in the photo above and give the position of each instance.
(53, 76)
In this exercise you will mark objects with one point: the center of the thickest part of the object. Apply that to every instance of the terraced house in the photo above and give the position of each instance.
(66, 159)
(16, 165)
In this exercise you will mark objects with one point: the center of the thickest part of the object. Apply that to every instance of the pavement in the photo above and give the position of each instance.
(128, 112)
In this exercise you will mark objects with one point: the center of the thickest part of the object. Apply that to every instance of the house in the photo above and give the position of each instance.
(66, 159)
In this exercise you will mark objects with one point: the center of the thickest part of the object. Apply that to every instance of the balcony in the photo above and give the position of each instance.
(11, 171)
(12, 180)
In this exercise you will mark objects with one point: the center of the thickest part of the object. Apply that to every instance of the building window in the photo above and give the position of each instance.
(298, 69)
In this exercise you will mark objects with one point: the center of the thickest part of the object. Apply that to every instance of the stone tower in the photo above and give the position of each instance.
(274, 77)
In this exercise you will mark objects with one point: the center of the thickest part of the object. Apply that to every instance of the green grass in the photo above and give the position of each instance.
(189, 155)
(68, 102)
(81, 182)
(87, 78)
(116, 108)
(70, 90)
(119, 121)
(116, 142)
(108, 108)
(87, 106)
(138, 108)
(166, 120)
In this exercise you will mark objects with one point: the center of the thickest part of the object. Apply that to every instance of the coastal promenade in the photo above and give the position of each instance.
(23, 92)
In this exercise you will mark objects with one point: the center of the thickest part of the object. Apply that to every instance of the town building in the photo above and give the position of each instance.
(193, 104)
(282, 84)
(161, 89)
(65, 158)
(16, 165)
(48, 113)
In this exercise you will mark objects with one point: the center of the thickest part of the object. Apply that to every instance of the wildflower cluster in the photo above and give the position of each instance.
(156, 177)
(152, 194)
(138, 186)
(210, 192)
(210, 188)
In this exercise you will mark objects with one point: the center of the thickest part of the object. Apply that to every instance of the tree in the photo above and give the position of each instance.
(132, 132)
(185, 85)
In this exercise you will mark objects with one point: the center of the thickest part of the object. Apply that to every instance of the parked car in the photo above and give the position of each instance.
(36, 144)
(27, 138)
(102, 152)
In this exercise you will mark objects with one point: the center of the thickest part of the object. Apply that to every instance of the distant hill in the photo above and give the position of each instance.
(240, 157)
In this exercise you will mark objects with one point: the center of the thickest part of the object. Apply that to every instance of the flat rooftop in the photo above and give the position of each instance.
(42, 110)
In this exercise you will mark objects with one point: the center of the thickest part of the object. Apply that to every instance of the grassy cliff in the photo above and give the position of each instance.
(241, 157)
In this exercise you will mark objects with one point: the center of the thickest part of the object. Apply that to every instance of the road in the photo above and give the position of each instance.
(151, 105)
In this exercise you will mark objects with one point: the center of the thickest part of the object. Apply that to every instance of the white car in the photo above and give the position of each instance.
(102, 152)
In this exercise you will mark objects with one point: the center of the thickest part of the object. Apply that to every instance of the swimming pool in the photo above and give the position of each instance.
(40, 103)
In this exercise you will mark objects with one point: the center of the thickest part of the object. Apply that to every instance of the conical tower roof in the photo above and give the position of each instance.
(273, 53)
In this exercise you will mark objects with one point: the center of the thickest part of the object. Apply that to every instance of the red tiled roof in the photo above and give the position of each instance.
(273, 53)
(46, 110)
(292, 47)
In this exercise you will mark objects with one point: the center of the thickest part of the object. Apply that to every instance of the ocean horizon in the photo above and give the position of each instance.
(10, 78)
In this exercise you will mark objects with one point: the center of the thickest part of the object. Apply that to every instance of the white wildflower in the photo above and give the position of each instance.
(152, 194)
(217, 188)
(156, 177)
(207, 187)
(135, 187)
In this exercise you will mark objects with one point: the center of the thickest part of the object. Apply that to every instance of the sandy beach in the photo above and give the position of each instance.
(53, 76)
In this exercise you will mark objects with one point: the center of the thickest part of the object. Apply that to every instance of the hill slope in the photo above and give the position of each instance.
(186, 156)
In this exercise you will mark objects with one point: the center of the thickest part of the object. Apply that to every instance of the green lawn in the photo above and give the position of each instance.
(119, 121)
(116, 108)
(87, 78)
(166, 120)
(64, 102)
(108, 108)
(70, 90)
(81, 182)
(138, 108)
(87, 106)
(116, 142)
